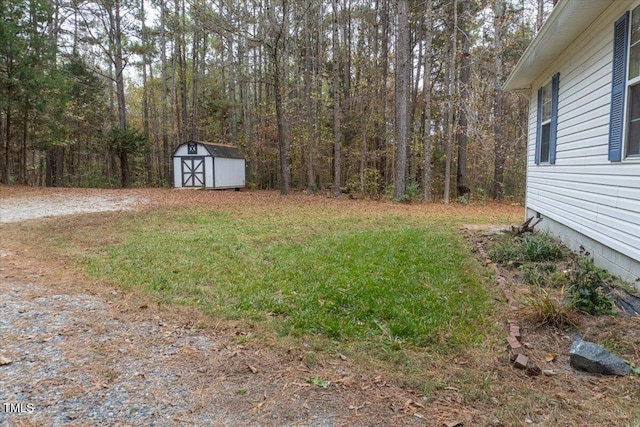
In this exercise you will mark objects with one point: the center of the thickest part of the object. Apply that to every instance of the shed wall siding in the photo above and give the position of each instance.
(177, 173)
(583, 190)
(229, 173)
(208, 172)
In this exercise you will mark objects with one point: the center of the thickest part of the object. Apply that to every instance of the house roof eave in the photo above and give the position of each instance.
(567, 21)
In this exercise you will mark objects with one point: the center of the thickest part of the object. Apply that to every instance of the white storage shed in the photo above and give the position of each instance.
(199, 164)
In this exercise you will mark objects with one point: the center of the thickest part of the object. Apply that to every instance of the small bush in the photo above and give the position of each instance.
(584, 285)
(547, 310)
(541, 247)
(532, 247)
(538, 274)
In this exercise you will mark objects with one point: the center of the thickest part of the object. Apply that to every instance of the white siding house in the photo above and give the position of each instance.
(582, 76)
(199, 164)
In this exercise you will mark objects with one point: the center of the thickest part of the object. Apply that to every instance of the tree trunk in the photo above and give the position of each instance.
(22, 176)
(165, 94)
(401, 100)
(451, 104)
(386, 162)
(182, 69)
(310, 119)
(118, 62)
(426, 177)
(498, 164)
(145, 93)
(125, 177)
(463, 93)
(540, 16)
(337, 133)
(59, 156)
(283, 140)
(5, 119)
(283, 144)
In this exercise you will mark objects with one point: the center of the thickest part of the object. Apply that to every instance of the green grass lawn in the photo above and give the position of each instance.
(387, 278)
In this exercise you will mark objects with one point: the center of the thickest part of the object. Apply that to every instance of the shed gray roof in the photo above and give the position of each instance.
(221, 150)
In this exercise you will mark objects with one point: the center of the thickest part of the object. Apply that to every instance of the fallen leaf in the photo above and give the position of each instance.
(454, 424)
(551, 357)
(252, 369)
(549, 372)
(5, 361)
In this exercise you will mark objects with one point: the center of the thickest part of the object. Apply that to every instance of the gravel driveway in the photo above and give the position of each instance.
(25, 208)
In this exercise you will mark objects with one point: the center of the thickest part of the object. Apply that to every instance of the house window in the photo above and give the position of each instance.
(545, 123)
(547, 128)
(633, 83)
(192, 148)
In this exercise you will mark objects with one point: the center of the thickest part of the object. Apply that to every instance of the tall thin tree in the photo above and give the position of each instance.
(337, 131)
(401, 100)
(426, 177)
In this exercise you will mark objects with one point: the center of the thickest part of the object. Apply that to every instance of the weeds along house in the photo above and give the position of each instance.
(582, 75)
(211, 166)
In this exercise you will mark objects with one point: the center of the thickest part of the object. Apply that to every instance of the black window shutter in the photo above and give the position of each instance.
(538, 128)
(618, 85)
(555, 90)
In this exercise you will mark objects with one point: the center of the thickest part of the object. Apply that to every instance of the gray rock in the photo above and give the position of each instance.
(591, 357)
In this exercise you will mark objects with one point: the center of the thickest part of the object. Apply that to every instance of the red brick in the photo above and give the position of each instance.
(521, 361)
(513, 342)
(514, 352)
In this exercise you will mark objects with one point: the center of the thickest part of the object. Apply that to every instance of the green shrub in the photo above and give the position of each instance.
(538, 247)
(538, 274)
(541, 247)
(548, 310)
(584, 286)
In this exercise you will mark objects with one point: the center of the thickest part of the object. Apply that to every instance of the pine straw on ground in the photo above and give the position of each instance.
(245, 377)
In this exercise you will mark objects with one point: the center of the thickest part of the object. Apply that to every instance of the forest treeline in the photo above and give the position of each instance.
(372, 97)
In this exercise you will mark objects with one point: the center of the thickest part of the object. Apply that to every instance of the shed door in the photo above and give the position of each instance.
(193, 171)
